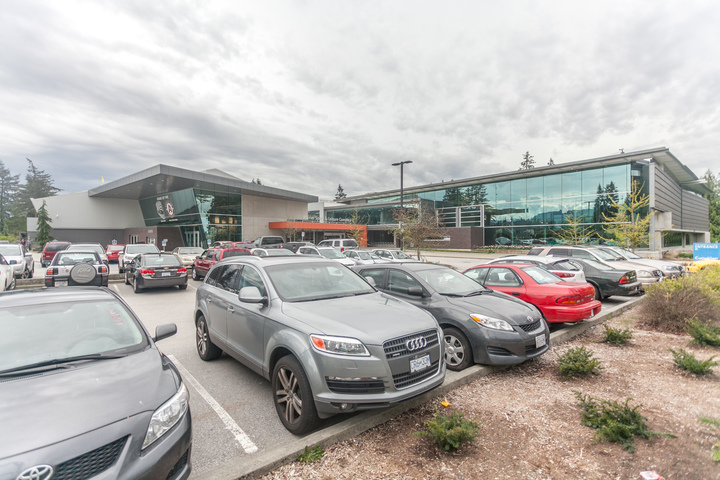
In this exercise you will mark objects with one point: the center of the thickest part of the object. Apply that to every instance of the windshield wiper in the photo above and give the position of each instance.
(476, 292)
(56, 363)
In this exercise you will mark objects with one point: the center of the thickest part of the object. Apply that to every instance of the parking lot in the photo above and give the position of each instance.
(232, 411)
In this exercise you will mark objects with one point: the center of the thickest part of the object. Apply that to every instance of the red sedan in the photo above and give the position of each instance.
(559, 301)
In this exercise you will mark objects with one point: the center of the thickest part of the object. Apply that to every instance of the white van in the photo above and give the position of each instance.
(341, 244)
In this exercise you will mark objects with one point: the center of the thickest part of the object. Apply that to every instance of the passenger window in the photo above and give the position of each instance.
(582, 254)
(399, 282)
(502, 277)
(559, 252)
(477, 274)
(228, 279)
(214, 275)
(377, 274)
(251, 278)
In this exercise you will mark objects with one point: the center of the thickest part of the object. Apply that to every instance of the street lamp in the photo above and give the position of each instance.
(401, 189)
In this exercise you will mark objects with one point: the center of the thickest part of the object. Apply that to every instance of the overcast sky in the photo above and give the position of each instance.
(308, 95)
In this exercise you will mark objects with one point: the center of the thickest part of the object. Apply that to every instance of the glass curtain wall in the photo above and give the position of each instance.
(203, 216)
(525, 210)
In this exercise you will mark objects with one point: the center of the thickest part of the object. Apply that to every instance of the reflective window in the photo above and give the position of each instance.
(228, 278)
(251, 278)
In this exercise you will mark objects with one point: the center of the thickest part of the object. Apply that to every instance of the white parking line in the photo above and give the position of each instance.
(230, 424)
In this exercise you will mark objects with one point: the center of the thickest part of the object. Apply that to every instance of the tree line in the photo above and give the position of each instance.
(15, 195)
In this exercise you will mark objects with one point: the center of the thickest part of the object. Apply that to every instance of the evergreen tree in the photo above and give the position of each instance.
(340, 193)
(629, 222)
(38, 184)
(713, 183)
(43, 227)
(9, 187)
(528, 162)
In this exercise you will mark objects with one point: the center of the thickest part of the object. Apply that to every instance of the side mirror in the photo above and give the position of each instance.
(164, 331)
(415, 291)
(251, 295)
(371, 281)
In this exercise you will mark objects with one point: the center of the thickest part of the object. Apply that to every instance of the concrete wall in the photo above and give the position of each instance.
(257, 212)
(77, 211)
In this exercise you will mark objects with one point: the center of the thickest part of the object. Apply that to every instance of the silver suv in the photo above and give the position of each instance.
(328, 341)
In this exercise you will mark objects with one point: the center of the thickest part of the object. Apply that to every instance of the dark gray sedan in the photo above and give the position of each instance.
(85, 391)
(153, 270)
(480, 325)
(328, 341)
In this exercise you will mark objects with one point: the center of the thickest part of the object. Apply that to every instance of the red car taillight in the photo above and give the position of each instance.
(569, 300)
(342, 249)
(624, 279)
(51, 271)
(103, 269)
(564, 274)
(147, 272)
(182, 270)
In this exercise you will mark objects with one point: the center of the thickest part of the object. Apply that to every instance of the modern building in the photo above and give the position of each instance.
(530, 206)
(181, 207)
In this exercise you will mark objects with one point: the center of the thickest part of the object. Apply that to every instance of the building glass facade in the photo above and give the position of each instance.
(203, 216)
(519, 211)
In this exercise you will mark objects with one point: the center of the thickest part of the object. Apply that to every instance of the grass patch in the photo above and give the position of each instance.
(685, 255)
(450, 432)
(703, 333)
(687, 361)
(709, 421)
(578, 361)
(617, 336)
(311, 455)
(715, 454)
(614, 421)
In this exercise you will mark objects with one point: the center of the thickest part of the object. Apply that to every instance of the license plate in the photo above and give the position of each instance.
(417, 364)
(165, 274)
(61, 283)
(540, 341)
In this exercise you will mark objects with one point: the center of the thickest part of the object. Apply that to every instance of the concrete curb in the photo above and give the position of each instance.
(256, 465)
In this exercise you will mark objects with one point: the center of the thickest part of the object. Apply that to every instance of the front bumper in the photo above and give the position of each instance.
(118, 446)
(570, 313)
(498, 347)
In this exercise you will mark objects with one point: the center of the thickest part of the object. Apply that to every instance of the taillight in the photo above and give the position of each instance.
(103, 269)
(564, 274)
(342, 249)
(147, 272)
(569, 300)
(624, 279)
(182, 270)
(51, 271)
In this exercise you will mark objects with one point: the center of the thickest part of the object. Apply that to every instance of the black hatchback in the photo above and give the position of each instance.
(479, 325)
(85, 392)
(151, 270)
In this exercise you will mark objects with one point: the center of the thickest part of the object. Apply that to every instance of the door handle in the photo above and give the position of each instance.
(209, 300)
(517, 294)
(230, 309)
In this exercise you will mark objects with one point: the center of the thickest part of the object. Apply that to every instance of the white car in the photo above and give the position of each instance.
(133, 250)
(90, 247)
(19, 259)
(393, 255)
(363, 257)
(326, 252)
(187, 254)
(7, 278)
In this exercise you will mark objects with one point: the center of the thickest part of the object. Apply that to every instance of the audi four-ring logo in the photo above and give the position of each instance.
(38, 472)
(416, 343)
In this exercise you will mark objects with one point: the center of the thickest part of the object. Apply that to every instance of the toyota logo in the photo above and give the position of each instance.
(38, 472)
(416, 343)
(530, 319)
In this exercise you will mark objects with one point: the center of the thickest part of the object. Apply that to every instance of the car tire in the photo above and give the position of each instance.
(458, 352)
(120, 269)
(195, 275)
(598, 294)
(293, 397)
(136, 288)
(183, 287)
(25, 274)
(206, 349)
(13, 283)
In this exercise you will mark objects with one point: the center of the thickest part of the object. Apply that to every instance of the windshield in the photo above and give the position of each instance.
(161, 261)
(630, 255)
(10, 250)
(365, 256)
(401, 255)
(54, 331)
(190, 251)
(541, 275)
(330, 253)
(315, 281)
(141, 249)
(87, 248)
(115, 248)
(447, 281)
(278, 252)
(606, 256)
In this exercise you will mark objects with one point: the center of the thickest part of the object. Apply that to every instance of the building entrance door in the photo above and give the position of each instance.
(191, 237)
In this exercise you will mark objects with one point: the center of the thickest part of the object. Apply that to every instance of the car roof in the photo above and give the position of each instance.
(265, 261)
(19, 298)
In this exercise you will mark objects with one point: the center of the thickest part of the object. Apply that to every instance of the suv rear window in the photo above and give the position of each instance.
(235, 253)
(56, 247)
(350, 243)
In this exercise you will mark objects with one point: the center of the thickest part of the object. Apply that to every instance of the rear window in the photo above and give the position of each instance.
(141, 249)
(162, 261)
(235, 253)
(350, 243)
(56, 247)
(541, 276)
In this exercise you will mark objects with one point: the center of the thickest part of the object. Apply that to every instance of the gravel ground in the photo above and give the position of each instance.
(530, 422)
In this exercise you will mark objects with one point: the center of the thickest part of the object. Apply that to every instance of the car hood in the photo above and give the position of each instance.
(371, 318)
(630, 265)
(48, 408)
(17, 258)
(497, 305)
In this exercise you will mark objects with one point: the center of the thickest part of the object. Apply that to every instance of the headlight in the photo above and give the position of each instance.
(165, 417)
(644, 273)
(339, 345)
(489, 322)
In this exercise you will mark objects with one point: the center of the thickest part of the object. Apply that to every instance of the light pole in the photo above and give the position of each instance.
(401, 188)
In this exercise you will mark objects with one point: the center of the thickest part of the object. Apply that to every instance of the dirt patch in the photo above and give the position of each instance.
(530, 422)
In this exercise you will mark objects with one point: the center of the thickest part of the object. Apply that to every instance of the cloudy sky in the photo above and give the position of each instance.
(307, 95)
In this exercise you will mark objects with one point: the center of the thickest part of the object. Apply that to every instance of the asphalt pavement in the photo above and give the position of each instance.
(236, 432)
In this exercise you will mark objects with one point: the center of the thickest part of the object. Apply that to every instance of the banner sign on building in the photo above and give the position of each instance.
(704, 251)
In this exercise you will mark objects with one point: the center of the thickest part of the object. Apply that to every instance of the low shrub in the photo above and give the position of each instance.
(617, 336)
(311, 455)
(614, 421)
(578, 361)
(685, 255)
(716, 452)
(667, 304)
(687, 361)
(703, 333)
(450, 432)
